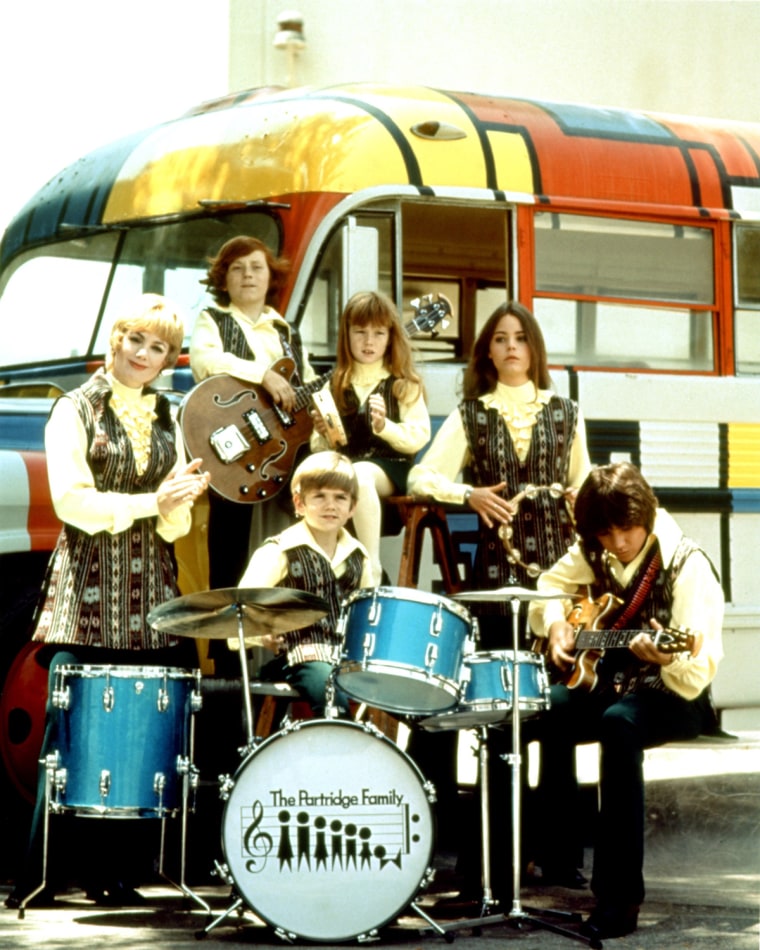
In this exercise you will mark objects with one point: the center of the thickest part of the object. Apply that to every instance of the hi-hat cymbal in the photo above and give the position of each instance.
(500, 594)
(215, 614)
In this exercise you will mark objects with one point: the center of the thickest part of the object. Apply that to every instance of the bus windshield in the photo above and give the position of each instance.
(53, 286)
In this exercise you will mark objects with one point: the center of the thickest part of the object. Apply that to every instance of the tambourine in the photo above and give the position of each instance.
(505, 531)
(325, 406)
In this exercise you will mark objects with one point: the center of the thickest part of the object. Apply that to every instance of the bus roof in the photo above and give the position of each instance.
(274, 144)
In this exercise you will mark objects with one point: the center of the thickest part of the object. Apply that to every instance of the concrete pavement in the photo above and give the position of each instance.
(702, 872)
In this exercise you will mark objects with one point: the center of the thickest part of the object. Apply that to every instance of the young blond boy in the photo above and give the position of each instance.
(317, 555)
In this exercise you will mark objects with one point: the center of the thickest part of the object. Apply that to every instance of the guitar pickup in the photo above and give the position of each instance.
(229, 443)
(286, 419)
(257, 425)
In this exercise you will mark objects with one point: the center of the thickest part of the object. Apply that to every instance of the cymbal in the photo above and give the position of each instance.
(215, 614)
(508, 593)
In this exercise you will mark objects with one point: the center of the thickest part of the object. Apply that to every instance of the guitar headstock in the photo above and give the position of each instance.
(672, 640)
(430, 312)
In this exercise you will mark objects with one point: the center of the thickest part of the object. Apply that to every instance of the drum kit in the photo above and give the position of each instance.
(324, 807)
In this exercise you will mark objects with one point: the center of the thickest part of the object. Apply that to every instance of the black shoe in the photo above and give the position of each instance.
(461, 906)
(560, 877)
(117, 894)
(606, 921)
(45, 899)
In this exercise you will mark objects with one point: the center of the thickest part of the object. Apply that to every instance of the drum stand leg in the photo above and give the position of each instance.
(518, 915)
(188, 774)
(51, 763)
(234, 906)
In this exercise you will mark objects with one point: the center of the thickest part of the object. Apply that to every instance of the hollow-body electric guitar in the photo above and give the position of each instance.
(248, 443)
(591, 640)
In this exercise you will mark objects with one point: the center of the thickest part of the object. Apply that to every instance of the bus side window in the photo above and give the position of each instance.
(747, 313)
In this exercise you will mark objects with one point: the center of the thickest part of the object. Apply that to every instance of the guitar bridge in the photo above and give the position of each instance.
(229, 443)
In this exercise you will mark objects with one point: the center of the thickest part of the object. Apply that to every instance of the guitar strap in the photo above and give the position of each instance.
(647, 577)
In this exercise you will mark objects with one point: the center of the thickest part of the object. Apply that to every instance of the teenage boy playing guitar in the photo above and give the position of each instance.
(643, 696)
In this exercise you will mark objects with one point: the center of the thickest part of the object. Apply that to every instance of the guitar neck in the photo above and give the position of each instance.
(670, 641)
(304, 393)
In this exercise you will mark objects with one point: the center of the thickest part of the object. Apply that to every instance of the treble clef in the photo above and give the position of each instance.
(258, 844)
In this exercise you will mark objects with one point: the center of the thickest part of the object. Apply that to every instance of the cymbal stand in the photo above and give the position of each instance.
(248, 705)
(518, 915)
(222, 871)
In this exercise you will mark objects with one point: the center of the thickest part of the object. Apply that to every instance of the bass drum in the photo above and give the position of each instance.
(328, 830)
(22, 717)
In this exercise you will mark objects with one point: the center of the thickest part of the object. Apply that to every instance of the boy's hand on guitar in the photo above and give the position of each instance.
(562, 644)
(644, 648)
(279, 389)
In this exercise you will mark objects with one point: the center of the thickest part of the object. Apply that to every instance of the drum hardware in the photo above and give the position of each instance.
(383, 666)
(518, 915)
(488, 696)
(556, 490)
(256, 614)
(138, 778)
(320, 809)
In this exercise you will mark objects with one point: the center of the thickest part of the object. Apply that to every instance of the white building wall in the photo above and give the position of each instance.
(695, 57)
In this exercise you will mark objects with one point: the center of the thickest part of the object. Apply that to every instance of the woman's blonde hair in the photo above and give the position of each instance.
(153, 314)
(325, 470)
(370, 308)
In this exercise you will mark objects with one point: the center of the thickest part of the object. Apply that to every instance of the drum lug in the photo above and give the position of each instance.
(374, 612)
(430, 791)
(108, 698)
(196, 701)
(436, 622)
(104, 785)
(431, 657)
(159, 784)
(369, 648)
(226, 785)
(162, 701)
(371, 936)
(506, 678)
(62, 698)
(222, 871)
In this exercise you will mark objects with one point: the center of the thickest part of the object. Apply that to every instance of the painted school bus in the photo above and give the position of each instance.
(634, 237)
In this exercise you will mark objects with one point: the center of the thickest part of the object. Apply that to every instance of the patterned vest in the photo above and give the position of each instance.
(362, 441)
(100, 587)
(310, 571)
(234, 342)
(649, 594)
(542, 530)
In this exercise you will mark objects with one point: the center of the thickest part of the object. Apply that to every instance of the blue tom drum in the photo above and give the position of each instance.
(123, 739)
(403, 649)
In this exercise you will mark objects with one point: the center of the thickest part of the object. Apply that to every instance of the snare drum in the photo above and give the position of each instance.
(403, 649)
(488, 688)
(123, 739)
(328, 830)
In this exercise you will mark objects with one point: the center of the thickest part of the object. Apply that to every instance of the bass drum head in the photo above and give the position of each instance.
(328, 830)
